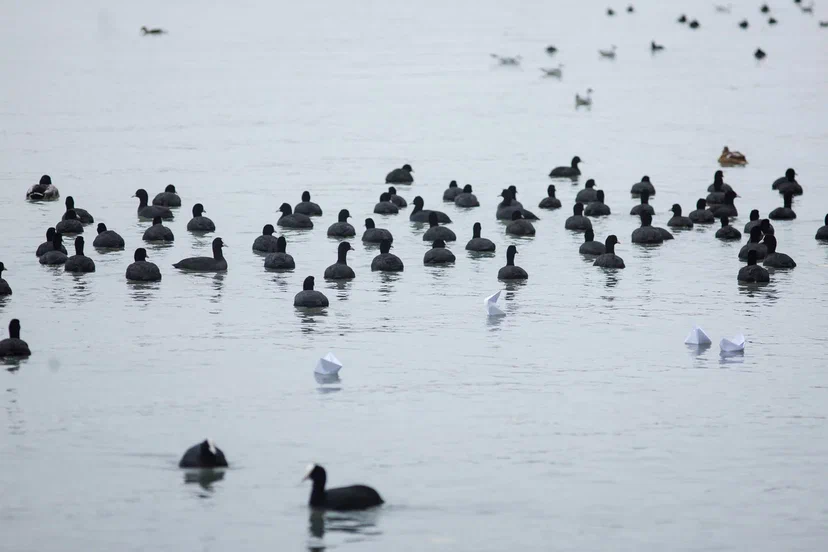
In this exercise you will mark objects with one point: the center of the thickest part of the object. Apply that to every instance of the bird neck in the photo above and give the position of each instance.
(317, 497)
(341, 257)
(510, 258)
(217, 254)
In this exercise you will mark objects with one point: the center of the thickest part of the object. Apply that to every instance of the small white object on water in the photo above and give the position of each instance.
(491, 305)
(328, 365)
(697, 337)
(733, 345)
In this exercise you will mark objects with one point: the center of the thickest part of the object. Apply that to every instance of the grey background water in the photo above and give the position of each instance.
(580, 421)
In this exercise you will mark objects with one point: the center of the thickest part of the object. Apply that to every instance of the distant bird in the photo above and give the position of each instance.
(82, 214)
(572, 171)
(168, 198)
(823, 24)
(610, 12)
(520, 226)
(655, 47)
(289, 219)
(452, 191)
(156, 31)
(5, 288)
(158, 232)
(677, 220)
(608, 53)
(146, 211)
(510, 271)
(340, 269)
(43, 190)
(682, 19)
(772, 21)
(551, 50)
(808, 9)
(373, 234)
(723, 9)
(743, 23)
(200, 223)
(590, 246)
(308, 207)
(397, 200)
(585, 100)
(79, 262)
(644, 186)
(774, 259)
(486, 245)
(216, 263)
(630, 9)
(785, 212)
(355, 497)
(733, 158)
(764, 8)
(556, 72)
(386, 261)
(342, 228)
(759, 54)
(437, 232)
(727, 232)
(280, 259)
(466, 198)
(309, 298)
(203, 455)
(694, 24)
(400, 176)
(550, 201)
(507, 60)
(609, 259)
(578, 221)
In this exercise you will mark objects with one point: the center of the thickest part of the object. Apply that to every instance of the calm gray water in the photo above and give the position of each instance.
(580, 421)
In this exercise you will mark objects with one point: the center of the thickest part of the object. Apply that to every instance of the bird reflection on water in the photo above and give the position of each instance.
(357, 526)
(205, 478)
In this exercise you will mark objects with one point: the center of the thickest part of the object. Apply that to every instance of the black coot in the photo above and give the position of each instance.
(788, 183)
(289, 219)
(520, 226)
(48, 245)
(822, 231)
(280, 259)
(644, 206)
(13, 346)
(146, 211)
(589, 193)
(421, 215)
(397, 200)
(56, 255)
(646, 234)
(203, 455)
(216, 263)
(510, 271)
(590, 246)
(572, 171)
(142, 270)
(79, 262)
(753, 273)
(341, 228)
(386, 261)
(719, 185)
(437, 232)
(578, 221)
(70, 224)
(355, 497)
(168, 198)
(81, 214)
(486, 245)
(438, 254)
(107, 239)
(727, 232)
(774, 259)
(200, 223)
(609, 259)
(267, 242)
(340, 269)
(644, 186)
(754, 244)
(785, 212)
(597, 208)
(550, 201)
(727, 208)
(5, 288)
(373, 234)
(158, 232)
(400, 176)
(754, 220)
(385, 205)
(466, 198)
(452, 191)
(308, 207)
(701, 215)
(507, 207)
(310, 298)
(678, 221)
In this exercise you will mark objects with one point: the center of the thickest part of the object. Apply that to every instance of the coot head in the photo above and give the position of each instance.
(50, 233)
(578, 209)
(170, 189)
(198, 209)
(369, 223)
(307, 285)
(550, 190)
(14, 328)
(70, 202)
(730, 195)
(645, 178)
(157, 220)
(790, 174)
(385, 196)
(676, 209)
(71, 215)
(701, 204)
(752, 257)
(477, 228)
(218, 244)
(45, 180)
(392, 190)
(433, 219)
(418, 202)
(513, 191)
(467, 189)
(770, 243)
(343, 249)
(511, 251)
(610, 243)
(453, 184)
(79, 245)
(140, 255)
(268, 230)
(575, 161)
(590, 183)
(385, 246)
(754, 215)
(408, 167)
(438, 244)
(306, 196)
(141, 194)
(286, 209)
(718, 177)
(101, 228)
(315, 472)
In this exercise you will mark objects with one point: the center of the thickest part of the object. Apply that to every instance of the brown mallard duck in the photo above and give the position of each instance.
(732, 158)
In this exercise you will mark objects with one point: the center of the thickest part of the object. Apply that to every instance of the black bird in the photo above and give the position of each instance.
(168, 198)
(764, 8)
(386, 261)
(609, 259)
(701, 215)
(355, 497)
(421, 215)
(774, 259)
(785, 212)
(5, 288)
(267, 242)
(646, 234)
(551, 50)
(203, 455)
(743, 24)
(520, 226)
(280, 259)
(655, 47)
(610, 12)
(682, 19)
(81, 214)
(56, 255)
(146, 211)
(754, 244)
(13, 346)
(772, 21)
(79, 262)
(438, 254)
(158, 232)
(753, 273)
(550, 201)
(452, 191)
(289, 219)
(308, 207)
(385, 205)
(590, 246)
(759, 54)
(142, 270)
(70, 224)
(644, 186)
(677, 220)
(341, 228)
(200, 223)
(437, 232)
(727, 232)
(507, 207)
(466, 198)
(572, 171)
(694, 24)
(589, 193)
(107, 239)
(340, 269)
(578, 221)
(146, 31)
(216, 263)
(510, 271)
(644, 206)
(787, 183)
(597, 208)
(401, 175)
(630, 9)
(397, 200)
(373, 234)
(822, 231)
(48, 245)
(486, 245)
(309, 297)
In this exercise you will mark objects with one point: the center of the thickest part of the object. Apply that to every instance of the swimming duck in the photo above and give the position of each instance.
(764, 8)
(597, 208)
(200, 223)
(609, 259)
(373, 234)
(308, 207)
(569, 172)
(280, 259)
(785, 212)
(452, 191)
(216, 263)
(158, 232)
(203, 455)
(56, 255)
(644, 186)
(644, 206)
(590, 246)
(509, 205)
(70, 224)
(610, 12)
(507, 60)
(421, 215)
(678, 221)
(727, 232)
(466, 198)
(694, 24)
(438, 254)
(309, 298)
(585, 101)
(267, 242)
(719, 184)
(759, 54)
(630, 9)
(341, 228)
(578, 221)
(5, 288)
(732, 158)
(550, 201)
(589, 193)
(79, 262)
(753, 273)
(554, 72)
(289, 219)
(772, 21)
(646, 234)
(520, 226)
(701, 215)
(13, 346)
(81, 214)
(107, 239)
(437, 232)
(655, 47)
(43, 190)
(146, 31)
(168, 198)
(48, 245)
(510, 271)
(788, 183)
(717, 196)
(754, 244)
(142, 270)
(682, 19)
(146, 211)
(401, 175)
(743, 23)
(486, 245)
(385, 205)
(340, 269)
(822, 231)
(386, 261)
(774, 259)
(610, 54)
(551, 50)
(355, 497)
(397, 200)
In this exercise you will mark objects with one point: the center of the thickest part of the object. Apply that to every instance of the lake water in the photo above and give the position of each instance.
(580, 421)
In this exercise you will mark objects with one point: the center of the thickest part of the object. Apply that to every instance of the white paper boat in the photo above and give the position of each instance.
(491, 305)
(697, 337)
(734, 345)
(328, 365)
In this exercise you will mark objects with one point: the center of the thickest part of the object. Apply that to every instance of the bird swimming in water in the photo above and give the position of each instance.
(754, 221)
(13, 346)
(81, 214)
(578, 221)
(48, 245)
(308, 207)
(289, 219)
(373, 234)
(644, 186)
(437, 232)
(753, 273)
(694, 24)
(719, 185)
(589, 193)
(610, 54)
(309, 298)
(772, 21)
(610, 12)
(466, 198)
(280, 259)
(609, 259)
(646, 234)
(200, 223)
(341, 228)
(486, 245)
(56, 255)
(754, 244)
(203, 455)
(43, 190)
(655, 47)
(774, 259)
(400, 176)
(107, 239)
(787, 183)
(727, 232)
(168, 198)
(644, 206)
(156, 31)
(340, 269)
(79, 262)
(785, 212)
(585, 101)
(759, 54)
(386, 261)
(550, 201)
(267, 242)
(510, 271)
(732, 158)
(158, 232)
(452, 191)
(822, 231)
(507, 60)
(146, 211)
(142, 270)
(355, 497)
(743, 23)
(590, 246)
(554, 72)
(216, 263)
(421, 215)
(551, 50)
(597, 208)
(701, 215)
(70, 224)
(385, 205)
(572, 171)
(678, 221)
(727, 208)
(397, 200)
(509, 205)
(682, 19)
(520, 226)
(5, 288)
(438, 254)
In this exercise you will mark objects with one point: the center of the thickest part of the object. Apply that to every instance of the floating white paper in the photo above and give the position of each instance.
(697, 337)
(491, 305)
(734, 345)
(328, 365)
